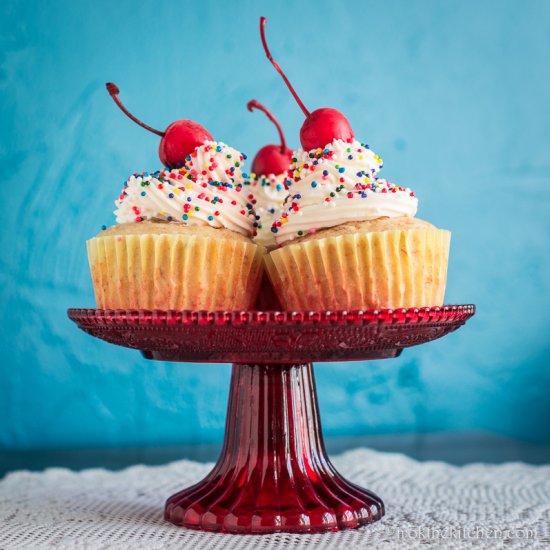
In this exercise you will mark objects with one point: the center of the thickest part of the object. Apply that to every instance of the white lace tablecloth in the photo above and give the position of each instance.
(427, 504)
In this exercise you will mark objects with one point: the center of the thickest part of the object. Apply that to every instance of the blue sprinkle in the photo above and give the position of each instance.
(313, 184)
(188, 199)
(188, 157)
(103, 227)
(341, 170)
(218, 148)
(170, 195)
(325, 172)
(363, 195)
(350, 157)
(326, 151)
(272, 210)
(274, 230)
(143, 193)
(210, 218)
(185, 217)
(279, 187)
(169, 218)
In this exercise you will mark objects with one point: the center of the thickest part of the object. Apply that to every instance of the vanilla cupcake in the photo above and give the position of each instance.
(183, 239)
(267, 183)
(349, 240)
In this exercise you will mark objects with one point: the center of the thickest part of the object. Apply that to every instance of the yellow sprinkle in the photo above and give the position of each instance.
(189, 186)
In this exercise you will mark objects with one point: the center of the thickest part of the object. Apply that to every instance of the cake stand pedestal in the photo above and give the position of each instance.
(273, 474)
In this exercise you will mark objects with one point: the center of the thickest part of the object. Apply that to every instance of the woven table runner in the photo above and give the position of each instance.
(428, 504)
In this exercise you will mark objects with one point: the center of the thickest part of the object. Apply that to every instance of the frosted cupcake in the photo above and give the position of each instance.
(267, 182)
(183, 234)
(350, 240)
(183, 239)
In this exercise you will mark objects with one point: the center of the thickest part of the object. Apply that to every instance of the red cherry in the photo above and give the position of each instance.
(271, 159)
(178, 140)
(322, 125)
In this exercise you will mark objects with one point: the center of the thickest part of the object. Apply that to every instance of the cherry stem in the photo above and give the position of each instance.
(254, 104)
(278, 68)
(114, 91)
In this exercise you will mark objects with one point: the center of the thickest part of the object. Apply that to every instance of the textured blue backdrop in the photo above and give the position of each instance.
(452, 94)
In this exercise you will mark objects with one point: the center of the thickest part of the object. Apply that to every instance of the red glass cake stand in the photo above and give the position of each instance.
(273, 473)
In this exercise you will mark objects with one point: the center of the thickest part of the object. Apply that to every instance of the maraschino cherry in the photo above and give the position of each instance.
(270, 159)
(322, 125)
(178, 140)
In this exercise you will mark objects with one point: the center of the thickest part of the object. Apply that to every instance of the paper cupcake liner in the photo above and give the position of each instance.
(384, 269)
(174, 272)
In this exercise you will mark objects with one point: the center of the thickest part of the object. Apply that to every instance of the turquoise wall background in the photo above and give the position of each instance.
(454, 95)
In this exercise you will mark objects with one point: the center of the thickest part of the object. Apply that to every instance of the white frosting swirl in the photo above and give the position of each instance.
(335, 185)
(207, 190)
(269, 194)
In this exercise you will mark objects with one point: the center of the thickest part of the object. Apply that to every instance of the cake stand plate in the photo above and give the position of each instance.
(273, 474)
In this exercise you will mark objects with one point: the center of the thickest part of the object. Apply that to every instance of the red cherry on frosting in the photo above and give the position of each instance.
(178, 140)
(322, 125)
(271, 159)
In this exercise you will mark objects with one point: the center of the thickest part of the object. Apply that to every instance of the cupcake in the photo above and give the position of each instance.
(183, 235)
(347, 239)
(267, 182)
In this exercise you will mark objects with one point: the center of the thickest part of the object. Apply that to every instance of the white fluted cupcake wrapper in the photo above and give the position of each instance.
(152, 271)
(384, 269)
